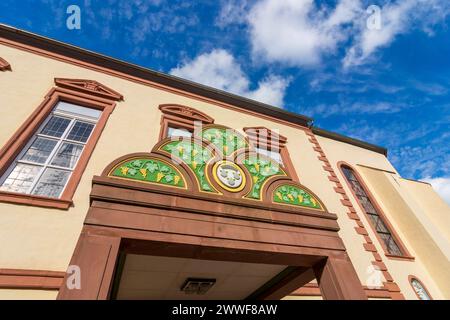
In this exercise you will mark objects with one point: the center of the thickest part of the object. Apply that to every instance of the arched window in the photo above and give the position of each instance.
(377, 220)
(419, 289)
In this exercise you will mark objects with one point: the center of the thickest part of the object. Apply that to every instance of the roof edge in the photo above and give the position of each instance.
(71, 51)
(352, 141)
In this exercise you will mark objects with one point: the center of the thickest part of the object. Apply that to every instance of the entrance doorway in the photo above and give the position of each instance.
(170, 278)
(144, 240)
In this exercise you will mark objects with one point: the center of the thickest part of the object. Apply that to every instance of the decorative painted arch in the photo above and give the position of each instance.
(218, 161)
(290, 193)
(149, 168)
(225, 140)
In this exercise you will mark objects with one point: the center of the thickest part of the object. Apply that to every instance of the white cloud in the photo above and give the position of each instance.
(343, 108)
(232, 11)
(366, 131)
(296, 32)
(303, 32)
(220, 70)
(441, 185)
(396, 18)
(430, 88)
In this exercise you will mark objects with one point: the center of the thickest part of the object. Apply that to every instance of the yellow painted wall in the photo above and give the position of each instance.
(12, 294)
(44, 239)
(431, 264)
(51, 235)
(406, 216)
(432, 205)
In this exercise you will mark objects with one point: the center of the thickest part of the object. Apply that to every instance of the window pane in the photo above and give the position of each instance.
(357, 188)
(271, 154)
(67, 155)
(21, 178)
(348, 174)
(174, 132)
(381, 227)
(276, 156)
(393, 248)
(56, 126)
(386, 238)
(390, 244)
(80, 131)
(78, 110)
(367, 204)
(420, 290)
(374, 219)
(39, 150)
(51, 183)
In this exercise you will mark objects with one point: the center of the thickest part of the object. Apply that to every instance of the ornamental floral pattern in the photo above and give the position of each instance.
(293, 195)
(261, 169)
(226, 140)
(149, 170)
(195, 156)
(221, 161)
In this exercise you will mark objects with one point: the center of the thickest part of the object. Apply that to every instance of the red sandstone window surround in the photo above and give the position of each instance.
(54, 144)
(384, 231)
(179, 120)
(4, 65)
(272, 144)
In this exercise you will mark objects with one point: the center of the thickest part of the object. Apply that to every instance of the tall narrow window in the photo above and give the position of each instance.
(46, 163)
(373, 213)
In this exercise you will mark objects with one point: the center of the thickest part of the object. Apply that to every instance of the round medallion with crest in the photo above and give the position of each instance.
(229, 176)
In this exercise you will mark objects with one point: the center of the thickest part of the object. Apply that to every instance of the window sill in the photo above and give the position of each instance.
(402, 258)
(35, 201)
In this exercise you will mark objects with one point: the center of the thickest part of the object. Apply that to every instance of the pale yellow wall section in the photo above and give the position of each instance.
(420, 235)
(432, 205)
(50, 235)
(46, 237)
(410, 223)
(13, 294)
(337, 152)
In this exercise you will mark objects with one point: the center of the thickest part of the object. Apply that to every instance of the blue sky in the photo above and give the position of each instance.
(385, 81)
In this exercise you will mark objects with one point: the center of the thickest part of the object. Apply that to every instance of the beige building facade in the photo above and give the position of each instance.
(91, 207)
